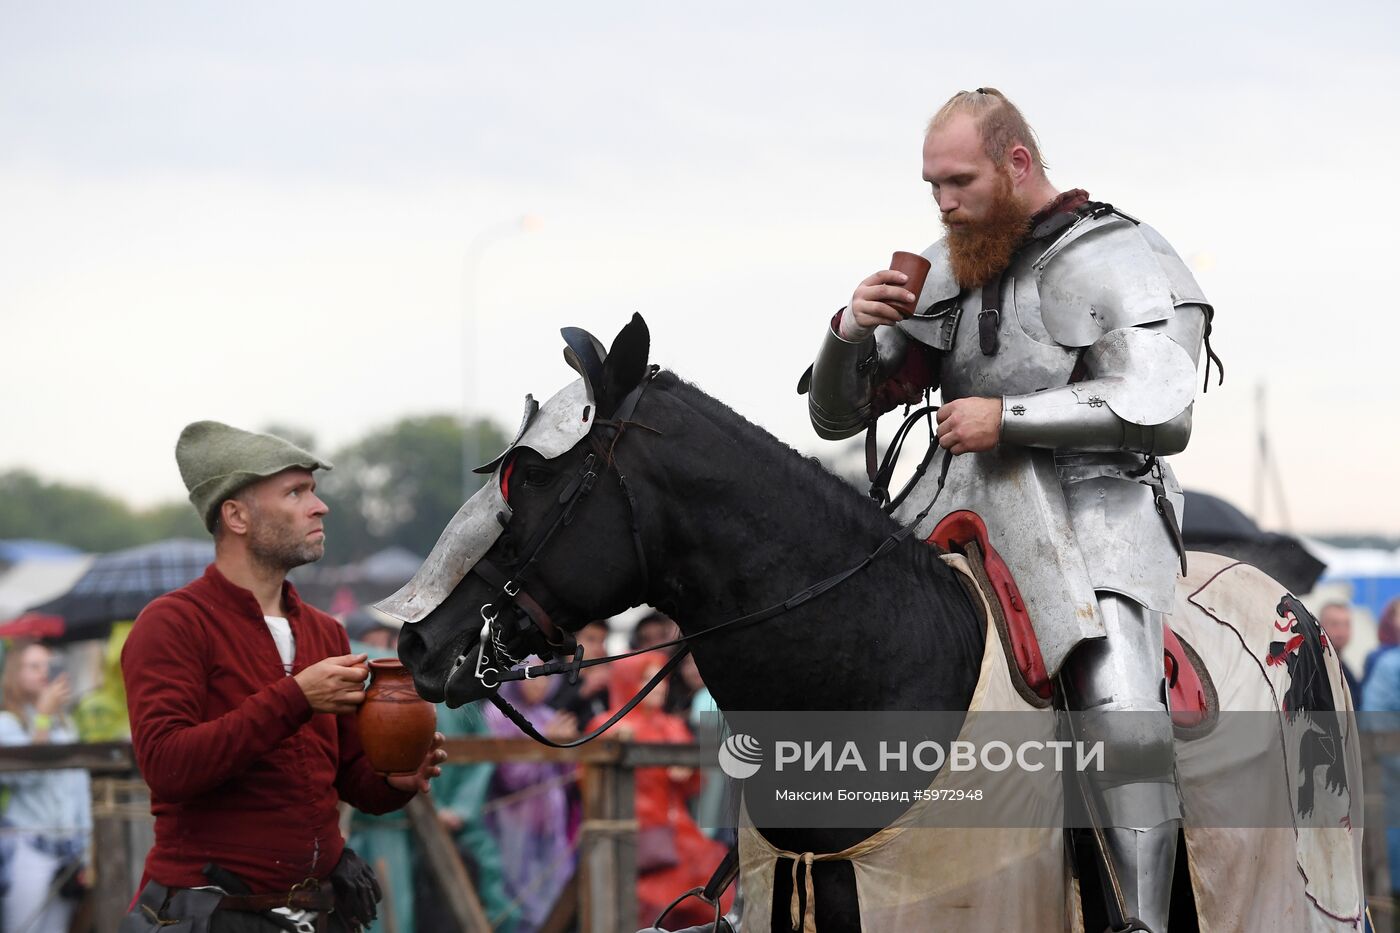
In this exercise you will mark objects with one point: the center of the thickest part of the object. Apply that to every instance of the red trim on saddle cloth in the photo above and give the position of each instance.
(1187, 697)
(959, 529)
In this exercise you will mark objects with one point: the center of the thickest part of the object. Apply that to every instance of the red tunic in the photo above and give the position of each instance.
(241, 771)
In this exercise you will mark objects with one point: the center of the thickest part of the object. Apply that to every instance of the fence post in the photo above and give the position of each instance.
(440, 852)
(112, 892)
(607, 865)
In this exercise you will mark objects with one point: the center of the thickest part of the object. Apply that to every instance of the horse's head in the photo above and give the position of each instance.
(549, 542)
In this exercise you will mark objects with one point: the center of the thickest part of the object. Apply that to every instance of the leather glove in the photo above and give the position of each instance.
(356, 890)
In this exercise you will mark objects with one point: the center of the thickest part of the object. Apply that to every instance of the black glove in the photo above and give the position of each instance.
(356, 890)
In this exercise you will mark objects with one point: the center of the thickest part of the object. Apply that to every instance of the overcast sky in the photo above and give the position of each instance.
(263, 212)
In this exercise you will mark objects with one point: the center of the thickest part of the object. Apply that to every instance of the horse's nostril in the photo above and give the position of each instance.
(410, 647)
(413, 652)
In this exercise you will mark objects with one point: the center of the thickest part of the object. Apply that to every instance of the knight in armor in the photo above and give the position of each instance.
(1064, 337)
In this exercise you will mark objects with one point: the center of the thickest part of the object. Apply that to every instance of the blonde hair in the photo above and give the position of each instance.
(11, 700)
(1002, 126)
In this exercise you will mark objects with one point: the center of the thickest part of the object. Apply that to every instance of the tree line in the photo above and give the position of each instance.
(396, 485)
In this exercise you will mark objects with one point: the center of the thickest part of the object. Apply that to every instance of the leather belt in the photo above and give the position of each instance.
(296, 899)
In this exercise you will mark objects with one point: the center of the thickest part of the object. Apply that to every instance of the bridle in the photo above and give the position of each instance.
(494, 662)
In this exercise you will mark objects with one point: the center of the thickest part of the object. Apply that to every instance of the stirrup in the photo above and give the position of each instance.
(1130, 925)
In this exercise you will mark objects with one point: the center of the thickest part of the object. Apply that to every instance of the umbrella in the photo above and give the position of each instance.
(32, 625)
(1212, 524)
(344, 588)
(117, 586)
(391, 567)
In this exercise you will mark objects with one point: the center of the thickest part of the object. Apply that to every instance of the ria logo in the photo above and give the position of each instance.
(740, 756)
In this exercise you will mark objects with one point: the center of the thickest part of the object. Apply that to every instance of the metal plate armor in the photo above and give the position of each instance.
(548, 430)
(1098, 340)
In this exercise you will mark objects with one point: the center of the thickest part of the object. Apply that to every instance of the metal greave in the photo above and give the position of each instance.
(1115, 686)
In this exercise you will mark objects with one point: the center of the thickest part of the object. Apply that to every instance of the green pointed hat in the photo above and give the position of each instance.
(217, 460)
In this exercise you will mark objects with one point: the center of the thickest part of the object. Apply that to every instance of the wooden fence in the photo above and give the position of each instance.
(602, 896)
(601, 899)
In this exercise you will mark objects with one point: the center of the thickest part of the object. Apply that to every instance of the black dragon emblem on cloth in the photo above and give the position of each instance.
(1309, 699)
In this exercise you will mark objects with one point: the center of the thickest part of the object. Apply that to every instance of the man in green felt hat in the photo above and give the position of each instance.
(242, 702)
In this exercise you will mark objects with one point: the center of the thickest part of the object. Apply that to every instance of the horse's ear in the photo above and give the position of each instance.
(625, 365)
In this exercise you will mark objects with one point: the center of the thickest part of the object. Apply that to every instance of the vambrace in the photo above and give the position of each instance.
(1137, 397)
(840, 399)
(1077, 418)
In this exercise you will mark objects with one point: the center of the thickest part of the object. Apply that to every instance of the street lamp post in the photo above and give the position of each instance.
(471, 267)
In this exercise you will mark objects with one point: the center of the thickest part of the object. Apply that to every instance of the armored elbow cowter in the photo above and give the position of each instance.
(842, 380)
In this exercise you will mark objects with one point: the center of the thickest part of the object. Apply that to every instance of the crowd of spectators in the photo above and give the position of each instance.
(1380, 694)
(515, 824)
(48, 815)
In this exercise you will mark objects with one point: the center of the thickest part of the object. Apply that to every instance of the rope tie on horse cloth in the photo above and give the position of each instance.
(809, 918)
(805, 920)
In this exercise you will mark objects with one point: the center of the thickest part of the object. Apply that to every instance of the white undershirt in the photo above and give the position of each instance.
(281, 631)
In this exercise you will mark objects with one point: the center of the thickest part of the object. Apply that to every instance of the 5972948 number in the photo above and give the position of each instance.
(947, 794)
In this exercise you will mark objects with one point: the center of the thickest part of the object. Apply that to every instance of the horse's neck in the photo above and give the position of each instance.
(758, 526)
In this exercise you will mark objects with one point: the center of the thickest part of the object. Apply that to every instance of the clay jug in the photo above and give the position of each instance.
(396, 724)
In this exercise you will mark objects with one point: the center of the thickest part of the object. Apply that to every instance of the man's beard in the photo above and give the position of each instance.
(280, 549)
(979, 250)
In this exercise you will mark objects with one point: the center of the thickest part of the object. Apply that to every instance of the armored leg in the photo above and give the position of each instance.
(1114, 685)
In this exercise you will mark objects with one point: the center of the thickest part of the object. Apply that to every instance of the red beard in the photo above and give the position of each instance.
(979, 250)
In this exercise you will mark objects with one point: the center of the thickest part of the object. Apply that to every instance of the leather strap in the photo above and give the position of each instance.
(872, 455)
(527, 727)
(301, 899)
(881, 476)
(989, 320)
(502, 582)
(1168, 513)
(1211, 355)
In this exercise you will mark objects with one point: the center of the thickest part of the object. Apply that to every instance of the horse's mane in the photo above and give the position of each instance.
(808, 472)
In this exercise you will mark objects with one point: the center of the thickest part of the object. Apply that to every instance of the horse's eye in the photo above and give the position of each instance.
(537, 476)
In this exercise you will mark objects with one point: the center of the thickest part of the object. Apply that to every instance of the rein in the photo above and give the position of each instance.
(880, 478)
(564, 509)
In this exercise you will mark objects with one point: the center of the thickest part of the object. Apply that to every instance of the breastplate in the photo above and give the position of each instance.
(1027, 359)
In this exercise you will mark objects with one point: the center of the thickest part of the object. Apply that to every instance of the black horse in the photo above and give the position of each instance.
(731, 521)
(673, 500)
